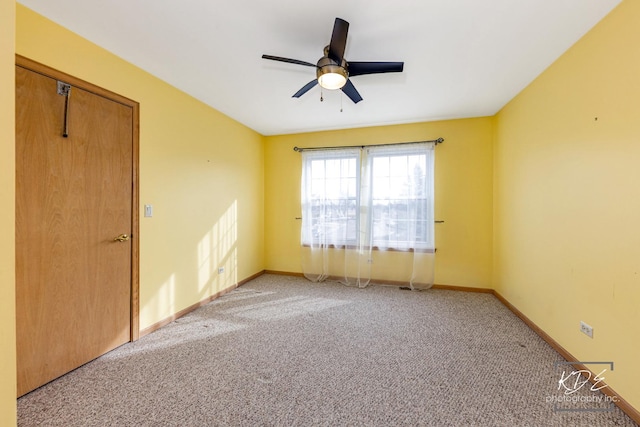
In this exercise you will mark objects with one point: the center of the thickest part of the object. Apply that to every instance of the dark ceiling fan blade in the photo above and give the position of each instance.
(350, 90)
(305, 88)
(360, 68)
(338, 40)
(289, 60)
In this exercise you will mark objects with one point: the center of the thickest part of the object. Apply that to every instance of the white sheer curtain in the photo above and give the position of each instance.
(369, 213)
(402, 220)
(331, 246)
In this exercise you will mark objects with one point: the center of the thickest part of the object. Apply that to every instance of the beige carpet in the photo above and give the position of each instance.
(281, 351)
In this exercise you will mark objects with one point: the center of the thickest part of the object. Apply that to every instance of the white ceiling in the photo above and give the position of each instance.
(463, 58)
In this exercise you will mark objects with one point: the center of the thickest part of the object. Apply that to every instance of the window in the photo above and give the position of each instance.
(377, 196)
(330, 194)
(401, 200)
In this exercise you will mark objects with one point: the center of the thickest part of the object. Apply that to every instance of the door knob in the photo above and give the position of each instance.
(121, 238)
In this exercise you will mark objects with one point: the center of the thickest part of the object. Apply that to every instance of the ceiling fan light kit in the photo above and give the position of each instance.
(331, 75)
(333, 71)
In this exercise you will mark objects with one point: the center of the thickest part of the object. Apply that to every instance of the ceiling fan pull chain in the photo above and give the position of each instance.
(321, 94)
(341, 95)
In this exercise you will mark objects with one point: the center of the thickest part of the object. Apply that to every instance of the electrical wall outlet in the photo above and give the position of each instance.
(586, 329)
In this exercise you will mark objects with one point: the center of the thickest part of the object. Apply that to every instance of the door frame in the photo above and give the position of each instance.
(45, 70)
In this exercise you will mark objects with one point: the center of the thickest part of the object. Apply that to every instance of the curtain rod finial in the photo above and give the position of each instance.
(297, 149)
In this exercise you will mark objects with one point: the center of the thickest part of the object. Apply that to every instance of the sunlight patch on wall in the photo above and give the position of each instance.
(227, 248)
(218, 255)
(206, 263)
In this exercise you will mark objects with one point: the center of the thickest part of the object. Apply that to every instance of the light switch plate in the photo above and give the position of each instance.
(148, 211)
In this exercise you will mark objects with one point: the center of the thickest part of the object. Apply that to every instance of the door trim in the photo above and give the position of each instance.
(39, 68)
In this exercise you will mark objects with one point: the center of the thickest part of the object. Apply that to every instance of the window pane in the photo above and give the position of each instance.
(398, 165)
(317, 168)
(381, 166)
(380, 188)
(398, 186)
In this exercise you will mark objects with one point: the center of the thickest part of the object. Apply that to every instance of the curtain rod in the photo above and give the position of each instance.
(298, 149)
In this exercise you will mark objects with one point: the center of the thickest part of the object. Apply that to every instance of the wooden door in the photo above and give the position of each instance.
(74, 195)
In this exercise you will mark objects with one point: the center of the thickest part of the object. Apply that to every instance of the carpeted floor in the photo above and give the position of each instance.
(281, 351)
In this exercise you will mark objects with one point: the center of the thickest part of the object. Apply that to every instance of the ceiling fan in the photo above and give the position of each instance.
(333, 71)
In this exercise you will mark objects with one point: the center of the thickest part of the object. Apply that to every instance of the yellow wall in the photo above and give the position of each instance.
(202, 171)
(463, 195)
(7, 222)
(567, 199)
